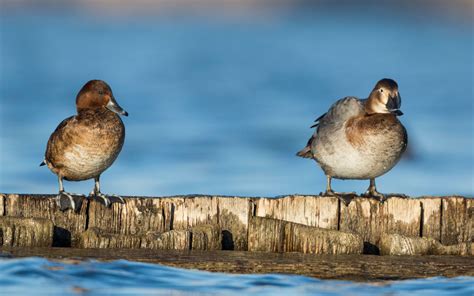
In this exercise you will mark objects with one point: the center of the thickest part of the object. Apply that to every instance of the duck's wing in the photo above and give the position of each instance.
(341, 111)
(337, 114)
(58, 141)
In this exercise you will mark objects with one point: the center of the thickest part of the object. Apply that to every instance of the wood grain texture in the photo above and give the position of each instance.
(26, 232)
(137, 216)
(395, 244)
(67, 225)
(266, 234)
(195, 210)
(402, 216)
(307, 210)
(231, 223)
(431, 217)
(234, 215)
(456, 220)
(313, 240)
(2, 204)
(272, 235)
(364, 217)
(206, 237)
(94, 238)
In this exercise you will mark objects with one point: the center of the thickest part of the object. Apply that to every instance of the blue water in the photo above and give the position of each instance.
(41, 276)
(220, 106)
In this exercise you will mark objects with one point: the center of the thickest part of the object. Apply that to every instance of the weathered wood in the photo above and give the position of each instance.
(137, 216)
(266, 234)
(395, 244)
(26, 232)
(402, 216)
(363, 216)
(272, 235)
(206, 237)
(195, 210)
(67, 225)
(448, 220)
(455, 224)
(141, 215)
(93, 238)
(341, 267)
(2, 204)
(370, 219)
(470, 219)
(312, 240)
(170, 240)
(431, 218)
(307, 210)
(234, 214)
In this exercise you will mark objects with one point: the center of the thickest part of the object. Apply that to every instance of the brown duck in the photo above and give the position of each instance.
(83, 146)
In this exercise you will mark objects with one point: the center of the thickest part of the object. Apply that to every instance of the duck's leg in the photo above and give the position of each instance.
(329, 191)
(66, 200)
(345, 197)
(106, 200)
(372, 192)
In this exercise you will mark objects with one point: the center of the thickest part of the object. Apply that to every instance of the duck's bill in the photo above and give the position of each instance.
(394, 103)
(114, 107)
(396, 112)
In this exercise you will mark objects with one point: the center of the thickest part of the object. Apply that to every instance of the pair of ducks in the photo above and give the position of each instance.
(355, 139)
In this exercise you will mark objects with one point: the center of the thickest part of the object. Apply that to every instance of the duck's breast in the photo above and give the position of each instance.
(84, 146)
(364, 147)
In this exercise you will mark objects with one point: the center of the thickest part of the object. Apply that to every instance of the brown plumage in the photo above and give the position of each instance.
(360, 128)
(85, 145)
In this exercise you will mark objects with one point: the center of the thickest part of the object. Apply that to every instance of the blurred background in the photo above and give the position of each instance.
(221, 94)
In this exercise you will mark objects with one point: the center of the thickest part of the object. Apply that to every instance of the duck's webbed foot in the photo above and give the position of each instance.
(66, 201)
(345, 197)
(375, 195)
(106, 200)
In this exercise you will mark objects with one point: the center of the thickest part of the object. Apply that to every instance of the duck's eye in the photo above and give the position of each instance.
(381, 90)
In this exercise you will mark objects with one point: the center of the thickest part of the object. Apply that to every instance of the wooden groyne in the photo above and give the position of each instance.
(307, 224)
(295, 223)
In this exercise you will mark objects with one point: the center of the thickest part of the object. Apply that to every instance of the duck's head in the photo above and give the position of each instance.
(384, 98)
(97, 94)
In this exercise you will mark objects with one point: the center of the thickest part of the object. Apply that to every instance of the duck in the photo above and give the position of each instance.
(359, 139)
(83, 146)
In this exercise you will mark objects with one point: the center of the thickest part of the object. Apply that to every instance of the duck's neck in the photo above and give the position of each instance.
(374, 106)
(92, 110)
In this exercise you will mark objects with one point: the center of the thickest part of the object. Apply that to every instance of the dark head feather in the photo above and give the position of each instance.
(386, 83)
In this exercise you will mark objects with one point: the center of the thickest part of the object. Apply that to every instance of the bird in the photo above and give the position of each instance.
(359, 138)
(83, 146)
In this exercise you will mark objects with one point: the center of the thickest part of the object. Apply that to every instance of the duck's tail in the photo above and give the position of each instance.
(306, 151)
(42, 163)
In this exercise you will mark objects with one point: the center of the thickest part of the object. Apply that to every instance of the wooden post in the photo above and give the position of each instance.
(68, 226)
(26, 232)
(395, 244)
(294, 223)
(272, 235)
